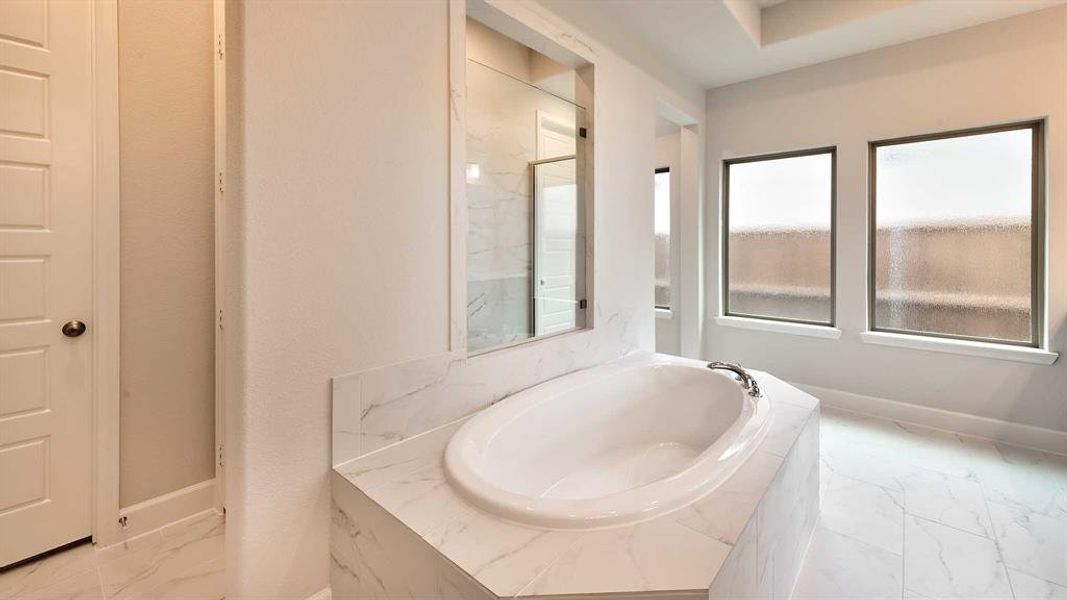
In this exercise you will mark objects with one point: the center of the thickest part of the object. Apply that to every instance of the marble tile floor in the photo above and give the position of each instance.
(915, 513)
(182, 561)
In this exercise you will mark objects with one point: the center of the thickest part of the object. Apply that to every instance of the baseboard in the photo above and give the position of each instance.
(1016, 434)
(160, 511)
(323, 594)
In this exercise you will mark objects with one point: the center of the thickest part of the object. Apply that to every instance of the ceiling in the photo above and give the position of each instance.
(719, 42)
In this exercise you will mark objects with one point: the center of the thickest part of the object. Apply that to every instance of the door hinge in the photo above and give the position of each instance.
(582, 303)
(220, 318)
(220, 46)
(220, 458)
(582, 132)
(221, 187)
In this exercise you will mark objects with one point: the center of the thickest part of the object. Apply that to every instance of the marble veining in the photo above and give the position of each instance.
(980, 519)
(866, 512)
(378, 407)
(940, 561)
(993, 509)
(502, 139)
(402, 489)
(184, 560)
(839, 566)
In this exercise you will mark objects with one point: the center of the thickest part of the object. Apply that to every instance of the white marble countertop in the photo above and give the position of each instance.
(679, 551)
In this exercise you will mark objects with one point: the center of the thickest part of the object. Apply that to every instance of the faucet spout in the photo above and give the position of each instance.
(748, 382)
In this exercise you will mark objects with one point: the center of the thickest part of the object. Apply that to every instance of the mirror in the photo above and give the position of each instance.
(525, 198)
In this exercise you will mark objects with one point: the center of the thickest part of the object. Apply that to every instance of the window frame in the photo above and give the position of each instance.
(670, 254)
(725, 229)
(1037, 229)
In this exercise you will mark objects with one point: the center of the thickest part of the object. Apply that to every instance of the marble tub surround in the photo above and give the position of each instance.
(382, 406)
(396, 502)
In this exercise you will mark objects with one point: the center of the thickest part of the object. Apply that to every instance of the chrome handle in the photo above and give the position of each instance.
(73, 328)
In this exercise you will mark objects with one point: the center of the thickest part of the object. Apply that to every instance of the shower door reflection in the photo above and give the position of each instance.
(555, 244)
(525, 156)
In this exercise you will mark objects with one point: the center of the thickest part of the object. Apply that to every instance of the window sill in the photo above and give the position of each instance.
(817, 331)
(1034, 356)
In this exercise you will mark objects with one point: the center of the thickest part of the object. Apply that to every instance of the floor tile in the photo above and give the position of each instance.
(947, 499)
(81, 586)
(183, 560)
(935, 450)
(1032, 543)
(1027, 587)
(866, 512)
(46, 571)
(149, 568)
(838, 566)
(142, 544)
(206, 581)
(944, 562)
(1026, 479)
(862, 465)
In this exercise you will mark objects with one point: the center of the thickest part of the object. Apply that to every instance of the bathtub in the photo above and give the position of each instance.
(607, 446)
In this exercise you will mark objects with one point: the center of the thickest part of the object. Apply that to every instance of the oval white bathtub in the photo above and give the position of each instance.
(607, 446)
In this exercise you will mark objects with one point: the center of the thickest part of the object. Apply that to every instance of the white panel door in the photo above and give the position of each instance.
(555, 246)
(45, 274)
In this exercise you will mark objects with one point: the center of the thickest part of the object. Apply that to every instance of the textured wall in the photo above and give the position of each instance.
(338, 217)
(167, 146)
(1005, 71)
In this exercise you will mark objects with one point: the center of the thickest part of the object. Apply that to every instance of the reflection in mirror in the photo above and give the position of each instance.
(526, 232)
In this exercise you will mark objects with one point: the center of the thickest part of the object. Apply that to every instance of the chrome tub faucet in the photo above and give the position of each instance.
(748, 382)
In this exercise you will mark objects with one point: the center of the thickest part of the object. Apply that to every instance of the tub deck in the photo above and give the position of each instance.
(399, 528)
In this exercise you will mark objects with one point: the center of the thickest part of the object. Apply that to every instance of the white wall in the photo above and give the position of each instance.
(498, 51)
(339, 218)
(1005, 71)
(167, 154)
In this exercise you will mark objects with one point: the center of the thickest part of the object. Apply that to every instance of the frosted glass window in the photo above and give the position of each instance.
(954, 234)
(663, 238)
(779, 229)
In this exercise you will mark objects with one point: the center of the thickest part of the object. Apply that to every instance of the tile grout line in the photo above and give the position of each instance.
(552, 563)
(976, 478)
(996, 544)
(904, 546)
(993, 533)
(100, 581)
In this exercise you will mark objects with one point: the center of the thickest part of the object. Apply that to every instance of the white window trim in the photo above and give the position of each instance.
(1036, 356)
(803, 329)
(664, 313)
